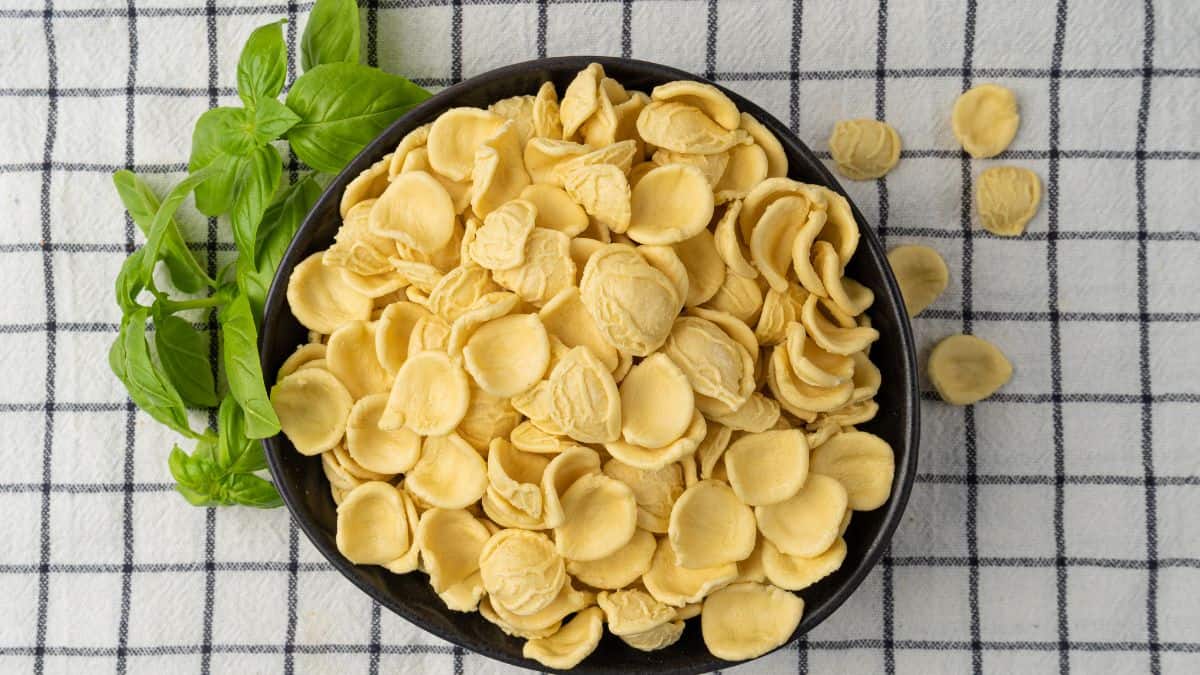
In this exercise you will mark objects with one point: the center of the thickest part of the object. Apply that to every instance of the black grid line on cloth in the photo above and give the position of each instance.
(1052, 175)
(543, 20)
(627, 28)
(293, 546)
(710, 41)
(1143, 294)
(43, 607)
(802, 645)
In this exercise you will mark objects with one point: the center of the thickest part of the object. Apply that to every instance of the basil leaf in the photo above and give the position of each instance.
(243, 370)
(196, 477)
(139, 200)
(257, 183)
(272, 119)
(215, 135)
(162, 219)
(332, 34)
(262, 66)
(249, 490)
(130, 282)
(279, 225)
(205, 449)
(148, 386)
(183, 351)
(235, 452)
(342, 107)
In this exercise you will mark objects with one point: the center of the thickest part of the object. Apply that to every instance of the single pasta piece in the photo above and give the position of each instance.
(921, 274)
(965, 369)
(864, 149)
(985, 120)
(1007, 197)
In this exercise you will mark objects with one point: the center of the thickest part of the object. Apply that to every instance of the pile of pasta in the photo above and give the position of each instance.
(593, 361)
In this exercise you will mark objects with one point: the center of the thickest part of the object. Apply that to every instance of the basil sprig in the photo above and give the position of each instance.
(163, 353)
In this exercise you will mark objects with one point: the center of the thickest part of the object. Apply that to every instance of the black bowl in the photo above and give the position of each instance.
(306, 492)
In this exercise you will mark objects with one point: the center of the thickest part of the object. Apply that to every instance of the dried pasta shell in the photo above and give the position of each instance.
(580, 99)
(449, 474)
(747, 620)
(678, 586)
(385, 452)
(654, 490)
(619, 154)
(814, 365)
(572, 643)
(758, 413)
(777, 161)
(493, 617)
(862, 462)
(710, 526)
(603, 192)
(921, 274)
(516, 476)
(768, 467)
(321, 300)
(527, 437)
(965, 369)
(659, 637)
(487, 417)
(488, 307)
(685, 128)
(633, 303)
(985, 120)
(566, 318)
(368, 184)
(430, 395)
(535, 404)
(778, 312)
(651, 458)
(519, 110)
(601, 517)
(351, 356)
(430, 333)
(450, 541)
(739, 296)
(500, 243)
(656, 403)
(841, 230)
(665, 260)
(712, 448)
(850, 296)
(312, 406)
(843, 337)
(712, 166)
(793, 573)
(777, 235)
(1007, 197)
(410, 560)
(544, 156)
(521, 571)
(507, 356)
(670, 204)
(567, 602)
(797, 393)
(748, 166)
(547, 268)
(459, 291)
(559, 475)
(618, 569)
(867, 378)
(337, 474)
(805, 524)
(499, 173)
(554, 209)
(372, 525)
(314, 351)
(704, 265)
(375, 285)
(716, 365)
(707, 98)
(416, 210)
(632, 611)
(751, 569)
(546, 122)
(455, 136)
(853, 413)
(422, 276)
(583, 398)
(864, 149)
(732, 326)
(355, 247)
(417, 138)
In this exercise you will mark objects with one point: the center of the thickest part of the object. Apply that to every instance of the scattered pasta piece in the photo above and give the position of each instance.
(569, 645)
(965, 369)
(921, 274)
(985, 120)
(747, 620)
(864, 149)
(1007, 197)
(312, 406)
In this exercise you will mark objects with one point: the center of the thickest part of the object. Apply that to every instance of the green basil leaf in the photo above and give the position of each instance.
(235, 452)
(183, 351)
(272, 119)
(148, 386)
(164, 214)
(242, 368)
(256, 186)
(342, 107)
(139, 200)
(332, 34)
(279, 225)
(262, 66)
(215, 131)
(205, 449)
(249, 490)
(130, 282)
(196, 477)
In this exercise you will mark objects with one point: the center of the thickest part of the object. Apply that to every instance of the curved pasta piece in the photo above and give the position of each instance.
(814, 365)
(712, 448)
(864, 149)
(449, 474)
(372, 525)
(535, 404)
(632, 611)
(841, 229)
(337, 474)
(450, 541)
(488, 307)
(797, 393)
(747, 620)
(850, 296)
(670, 204)
(355, 247)
(455, 136)
(416, 210)
(572, 643)
(729, 246)
(843, 337)
(1008, 198)
(375, 285)
(740, 296)
(507, 356)
(777, 161)
(430, 395)
(493, 617)
(793, 573)
(516, 476)
(321, 300)
(546, 122)
(707, 98)
(521, 571)
(580, 99)
(985, 120)
(351, 357)
(683, 128)
(710, 526)
(368, 184)
(313, 351)
(806, 524)
(665, 260)
(600, 518)
(431, 333)
(768, 192)
(733, 327)
(603, 192)
(385, 452)
(632, 302)
(568, 601)
(527, 437)
(417, 138)
(496, 507)
(409, 560)
(546, 270)
(716, 365)
(566, 318)
(554, 209)
(500, 243)
(654, 490)
(768, 467)
(618, 569)
(867, 378)
(751, 569)
(656, 403)
(658, 457)
(499, 173)
(862, 462)
(543, 156)
(312, 406)
(678, 586)
(583, 399)
(921, 274)
(778, 312)
(352, 467)
(559, 475)
(748, 166)
(487, 417)
(659, 637)
(853, 413)
(712, 166)
(704, 265)
(965, 369)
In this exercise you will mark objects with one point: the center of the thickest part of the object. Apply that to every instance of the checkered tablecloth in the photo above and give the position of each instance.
(1054, 527)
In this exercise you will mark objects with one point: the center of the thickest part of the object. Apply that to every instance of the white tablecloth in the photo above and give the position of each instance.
(1053, 527)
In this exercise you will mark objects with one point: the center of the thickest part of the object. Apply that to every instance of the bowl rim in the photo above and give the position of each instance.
(904, 475)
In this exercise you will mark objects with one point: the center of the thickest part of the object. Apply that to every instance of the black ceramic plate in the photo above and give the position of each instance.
(306, 492)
